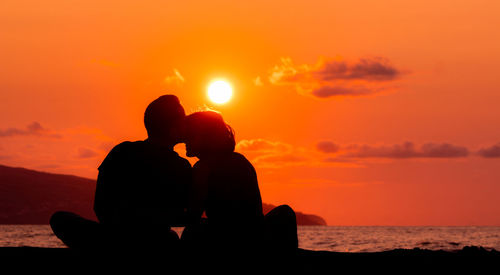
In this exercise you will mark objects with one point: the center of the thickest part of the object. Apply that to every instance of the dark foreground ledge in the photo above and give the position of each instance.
(399, 261)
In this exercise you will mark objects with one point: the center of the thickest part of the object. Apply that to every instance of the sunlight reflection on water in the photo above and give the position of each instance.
(329, 238)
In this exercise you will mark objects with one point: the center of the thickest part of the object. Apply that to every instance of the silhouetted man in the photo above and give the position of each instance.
(141, 188)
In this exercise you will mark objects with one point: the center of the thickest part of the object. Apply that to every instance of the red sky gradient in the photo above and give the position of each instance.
(363, 112)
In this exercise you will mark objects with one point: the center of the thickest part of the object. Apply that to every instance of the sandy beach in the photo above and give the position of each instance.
(301, 261)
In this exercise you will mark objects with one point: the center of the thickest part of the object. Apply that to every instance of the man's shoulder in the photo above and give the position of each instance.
(120, 151)
(128, 145)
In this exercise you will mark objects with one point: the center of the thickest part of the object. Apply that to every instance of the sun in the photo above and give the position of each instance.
(219, 91)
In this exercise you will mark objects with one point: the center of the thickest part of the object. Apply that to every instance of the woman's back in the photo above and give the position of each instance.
(225, 187)
(233, 195)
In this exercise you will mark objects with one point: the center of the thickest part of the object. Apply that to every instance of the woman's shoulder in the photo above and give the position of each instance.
(239, 156)
(234, 158)
(238, 162)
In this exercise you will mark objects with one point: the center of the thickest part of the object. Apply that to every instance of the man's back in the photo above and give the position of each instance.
(142, 183)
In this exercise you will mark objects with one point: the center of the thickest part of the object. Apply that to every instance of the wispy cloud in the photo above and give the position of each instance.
(176, 78)
(84, 153)
(327, 147)
(330, 182)
(329, 91)
(490, 152)
(262, 145)
(79, 149)
(399, 151)
(375, 69)
(281, 159)
(271, 154)
(33, 129)
(258, 82)
(5, 157)
(276, 154)
(334, 77)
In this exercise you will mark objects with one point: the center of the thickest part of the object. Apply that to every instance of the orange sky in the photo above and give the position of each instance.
(364, 112)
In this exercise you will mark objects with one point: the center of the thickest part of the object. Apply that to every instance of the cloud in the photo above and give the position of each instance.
(339, 160)
(275, 154)
(271, 154)
(79, 151)
(258, 82)
(375, 69)
(490, 152)
(33, 129)
(176, 78)
(330, 182)
(407, 150)
(281, 159)
(262, 145)
(444, 150)
(5, 157)
(334, 78)
(327, 147)
(84, 153)
(288, 73)
(329, 91)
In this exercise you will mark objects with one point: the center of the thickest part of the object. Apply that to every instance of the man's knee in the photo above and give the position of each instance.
(61, 220)
(56, 218)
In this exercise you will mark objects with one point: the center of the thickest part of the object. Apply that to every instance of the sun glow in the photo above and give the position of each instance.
(220, 91)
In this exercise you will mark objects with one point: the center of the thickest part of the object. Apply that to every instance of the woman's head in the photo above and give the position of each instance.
(207, 134)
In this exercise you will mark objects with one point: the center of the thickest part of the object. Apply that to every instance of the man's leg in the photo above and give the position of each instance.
(75, 231)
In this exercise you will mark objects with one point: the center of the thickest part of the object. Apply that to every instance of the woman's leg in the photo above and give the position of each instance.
(280, 228)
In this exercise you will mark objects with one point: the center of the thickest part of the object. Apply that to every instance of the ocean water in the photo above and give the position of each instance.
(329, 238)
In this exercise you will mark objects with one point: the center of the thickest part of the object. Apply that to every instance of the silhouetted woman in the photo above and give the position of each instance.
(225, 187)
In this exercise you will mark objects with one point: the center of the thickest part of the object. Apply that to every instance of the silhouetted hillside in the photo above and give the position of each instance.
(30, 197)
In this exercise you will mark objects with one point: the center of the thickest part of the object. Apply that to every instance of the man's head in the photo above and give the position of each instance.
(163, 117)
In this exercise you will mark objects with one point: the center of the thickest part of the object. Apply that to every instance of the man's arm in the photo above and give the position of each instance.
(101, 200)
(180, 219)
(109, 176)
(198, 193)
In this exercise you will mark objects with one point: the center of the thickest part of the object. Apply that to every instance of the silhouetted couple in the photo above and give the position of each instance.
(144, 188)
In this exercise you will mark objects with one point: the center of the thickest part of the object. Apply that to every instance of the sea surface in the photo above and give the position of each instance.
(329, 238)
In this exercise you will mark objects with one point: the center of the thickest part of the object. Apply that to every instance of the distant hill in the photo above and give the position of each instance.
(30, 197)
